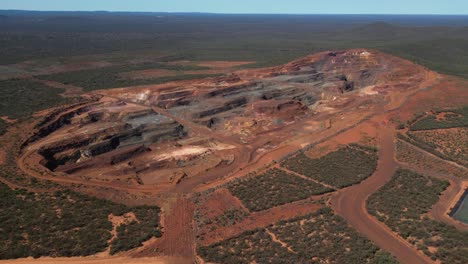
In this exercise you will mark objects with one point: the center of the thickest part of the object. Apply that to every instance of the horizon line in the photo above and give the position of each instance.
(234, 13)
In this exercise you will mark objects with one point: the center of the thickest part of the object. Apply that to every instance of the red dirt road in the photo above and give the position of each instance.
(178, 239)
(350, 203)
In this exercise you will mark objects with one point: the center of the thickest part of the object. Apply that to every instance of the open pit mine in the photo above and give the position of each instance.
(192, 132)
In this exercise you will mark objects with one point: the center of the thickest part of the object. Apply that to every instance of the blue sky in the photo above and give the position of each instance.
(249, 6)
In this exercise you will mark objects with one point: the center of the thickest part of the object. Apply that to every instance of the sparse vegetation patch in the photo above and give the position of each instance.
(251, 246)
(409, 154)
(451, 144)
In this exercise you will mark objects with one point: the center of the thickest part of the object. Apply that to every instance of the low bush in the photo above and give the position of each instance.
(273, 188)
(408, 153)
(452, 118)
(254, 246)
(402, 205)
(20, 97)
(109, 77)
(342, 168)
(132, 235)
(448, 144)
(64, 224)
(230, 217)
(320, 237)
(3, 127)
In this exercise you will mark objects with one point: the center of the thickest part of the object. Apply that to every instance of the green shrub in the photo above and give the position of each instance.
(3, 127)
(453, 118)
(230, 217)
(342, 168)
(20, 97)
(109, 77)
(255, 245)
(273, 188)
(404, 202)
(64, 224)
(132, 235)
(320, 237)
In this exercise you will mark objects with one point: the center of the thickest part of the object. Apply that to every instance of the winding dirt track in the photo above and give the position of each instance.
(350, 203)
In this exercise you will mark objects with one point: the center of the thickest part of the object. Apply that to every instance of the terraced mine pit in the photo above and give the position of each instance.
(164, 134)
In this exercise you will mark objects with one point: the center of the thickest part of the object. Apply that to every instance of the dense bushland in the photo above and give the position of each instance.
(273, 188)
(323, 235)
(3, 127)
(132, 235)
(230, 217)
(438, 42)
(320, 237)
(402, 205)
(248, 247)
(109, 77)
(341, 168)
(20, 98)
(452, 118)
(64, 223)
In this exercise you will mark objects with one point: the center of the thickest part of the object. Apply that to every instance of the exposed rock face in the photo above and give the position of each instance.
(272, 107)
(100, 129)
(232, 104)
(305, 81)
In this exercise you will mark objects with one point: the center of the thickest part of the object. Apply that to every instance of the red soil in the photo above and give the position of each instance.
(178, 237)
(218, 202)
(450, 92)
